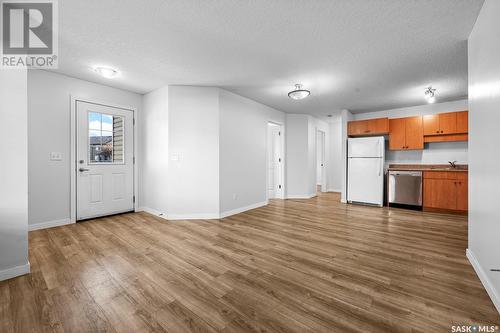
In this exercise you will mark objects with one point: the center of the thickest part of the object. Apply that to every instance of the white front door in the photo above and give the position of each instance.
(105, 160)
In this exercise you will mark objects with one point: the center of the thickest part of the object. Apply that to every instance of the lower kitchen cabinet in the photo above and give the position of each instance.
(445, 190)
(440, 193)
(463, 195)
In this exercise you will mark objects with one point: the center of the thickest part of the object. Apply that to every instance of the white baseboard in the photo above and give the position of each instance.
(201, 216)
(301, 196)
(243, 209)
(12, 272)
(167, 216)
(490, 288)
(49, 224)
(209, 216)
(334, 190)
(150, 211)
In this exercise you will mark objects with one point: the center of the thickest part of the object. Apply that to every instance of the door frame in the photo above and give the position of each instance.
(73, 149)
(283, 159)
(323, 152)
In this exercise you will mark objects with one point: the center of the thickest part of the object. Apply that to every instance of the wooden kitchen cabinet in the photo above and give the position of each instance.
(462, 195)
(446, 123)
(431, 124)
(397, 134)
(378, 126)
(445, 190)
(406, 133)
(463, 122)
(414, 133)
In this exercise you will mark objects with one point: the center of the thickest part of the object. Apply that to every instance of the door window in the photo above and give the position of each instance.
(106, 138)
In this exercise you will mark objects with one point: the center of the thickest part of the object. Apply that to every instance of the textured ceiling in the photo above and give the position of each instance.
(361, 55)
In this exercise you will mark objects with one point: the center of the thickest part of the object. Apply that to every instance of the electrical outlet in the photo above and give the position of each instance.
(55, 156)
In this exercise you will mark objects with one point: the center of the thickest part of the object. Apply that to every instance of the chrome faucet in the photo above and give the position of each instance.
(453, 164)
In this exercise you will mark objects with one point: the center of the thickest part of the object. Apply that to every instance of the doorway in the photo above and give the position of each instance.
(104, 160)
(320, 161)
(275, 170)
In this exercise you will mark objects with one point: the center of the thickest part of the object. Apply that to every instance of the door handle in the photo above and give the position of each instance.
(83, 169)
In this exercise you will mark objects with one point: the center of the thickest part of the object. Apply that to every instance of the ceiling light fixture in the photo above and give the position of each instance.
(430, 95)
(298, 93)
(106, 72)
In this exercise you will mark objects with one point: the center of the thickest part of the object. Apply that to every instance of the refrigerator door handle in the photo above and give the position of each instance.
(379, 168)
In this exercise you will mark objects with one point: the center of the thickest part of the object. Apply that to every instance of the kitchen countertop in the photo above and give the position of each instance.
(428, 167)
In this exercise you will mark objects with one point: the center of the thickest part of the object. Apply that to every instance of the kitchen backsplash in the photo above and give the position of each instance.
(434, 153)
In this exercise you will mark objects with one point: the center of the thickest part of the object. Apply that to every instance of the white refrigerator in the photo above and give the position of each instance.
(365, 170)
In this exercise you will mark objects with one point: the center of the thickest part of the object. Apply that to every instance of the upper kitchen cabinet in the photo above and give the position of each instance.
(450, 126)
(378, 126)
(463, 122)
(443, 123)
(406, 133)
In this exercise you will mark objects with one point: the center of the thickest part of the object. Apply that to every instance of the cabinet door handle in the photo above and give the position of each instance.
(441, 131)
(437, 131)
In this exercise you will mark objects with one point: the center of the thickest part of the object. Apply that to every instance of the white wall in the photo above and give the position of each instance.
(319, 153)
(484, 118)
(13, 174)
(297, 152)
(320, 125)
(213, 158)
(243, 151)
(301, 155)
(335, 160)
(49, 131)
(153, 156)
(434, 153)
(193, 140)
(346, 116)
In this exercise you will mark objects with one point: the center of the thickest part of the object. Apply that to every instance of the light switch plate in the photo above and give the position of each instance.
(55, 156)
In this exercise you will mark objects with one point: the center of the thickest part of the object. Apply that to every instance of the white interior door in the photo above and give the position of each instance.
(320, 160)
(275, 160)
(105, 160)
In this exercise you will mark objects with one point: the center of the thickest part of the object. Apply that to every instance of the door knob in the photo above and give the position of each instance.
(83, 169)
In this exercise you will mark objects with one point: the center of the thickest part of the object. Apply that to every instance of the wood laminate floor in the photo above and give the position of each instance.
(293, 266)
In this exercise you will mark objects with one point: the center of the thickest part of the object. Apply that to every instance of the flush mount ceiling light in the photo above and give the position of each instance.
(430, 95)
(106, 72)
(298, 93)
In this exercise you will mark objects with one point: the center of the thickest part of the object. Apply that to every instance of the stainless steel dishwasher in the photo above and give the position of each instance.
(405, 188)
